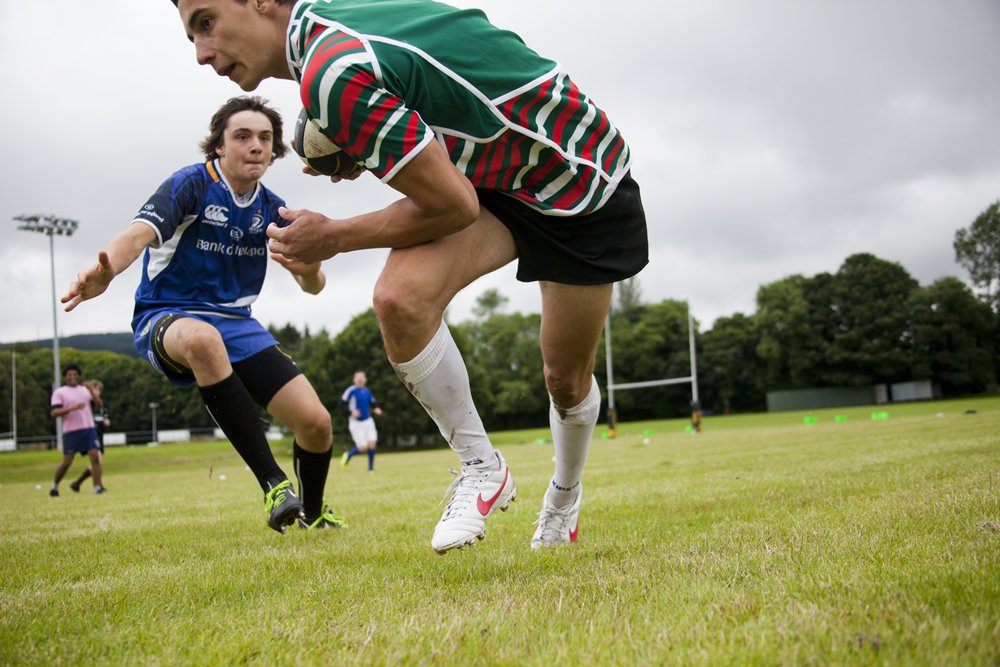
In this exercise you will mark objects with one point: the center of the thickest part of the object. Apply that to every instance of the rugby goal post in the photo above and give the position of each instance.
(690, 379)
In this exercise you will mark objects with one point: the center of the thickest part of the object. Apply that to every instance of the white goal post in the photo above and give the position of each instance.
(611, 386)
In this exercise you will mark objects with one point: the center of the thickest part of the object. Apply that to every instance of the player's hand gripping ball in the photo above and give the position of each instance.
(318, 152)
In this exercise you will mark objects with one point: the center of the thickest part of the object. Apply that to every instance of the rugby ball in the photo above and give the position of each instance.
(317, 151)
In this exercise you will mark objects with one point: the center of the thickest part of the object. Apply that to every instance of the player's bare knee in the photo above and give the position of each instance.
(393, 305)
(315, 432)
(399, 300)
(324, 427)
(202, 343)
(402, 312)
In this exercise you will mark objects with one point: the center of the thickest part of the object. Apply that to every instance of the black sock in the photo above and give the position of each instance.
(83, 475)
(311, 469)
(234, 411)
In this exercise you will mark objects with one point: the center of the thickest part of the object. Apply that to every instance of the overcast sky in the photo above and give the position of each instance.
(770, 138)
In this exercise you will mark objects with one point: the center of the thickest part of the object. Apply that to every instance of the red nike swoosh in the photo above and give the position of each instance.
(486, 505)
(572, 533)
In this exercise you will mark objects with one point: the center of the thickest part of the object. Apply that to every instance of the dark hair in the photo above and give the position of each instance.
(217, 126)
(71, 367)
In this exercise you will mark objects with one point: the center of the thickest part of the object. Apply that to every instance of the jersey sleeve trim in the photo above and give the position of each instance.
(405, 160)
(343, 88)
(159, 239)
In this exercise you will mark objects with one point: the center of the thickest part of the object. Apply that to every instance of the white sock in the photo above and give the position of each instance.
(437, 377)
(571, 434)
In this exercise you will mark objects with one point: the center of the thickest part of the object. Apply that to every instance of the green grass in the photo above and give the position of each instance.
(761, 540)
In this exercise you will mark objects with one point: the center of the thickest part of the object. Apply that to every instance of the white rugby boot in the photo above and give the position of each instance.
(557, 525)
(475, 495)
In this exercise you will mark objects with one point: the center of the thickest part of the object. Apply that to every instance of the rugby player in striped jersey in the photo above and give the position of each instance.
(498, 157)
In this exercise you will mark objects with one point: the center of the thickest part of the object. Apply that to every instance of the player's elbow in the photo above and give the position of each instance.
(460, 211)
(469, 208)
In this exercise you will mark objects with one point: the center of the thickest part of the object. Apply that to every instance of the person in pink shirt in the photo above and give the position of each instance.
(101, 422)
(74, 402)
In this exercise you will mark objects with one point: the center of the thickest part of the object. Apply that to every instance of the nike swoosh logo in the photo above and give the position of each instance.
(485, 506)
(572, 533)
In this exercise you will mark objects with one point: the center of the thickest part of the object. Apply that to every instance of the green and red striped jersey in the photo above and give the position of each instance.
(384, 77)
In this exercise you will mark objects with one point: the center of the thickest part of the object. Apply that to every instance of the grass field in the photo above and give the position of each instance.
(762, 540)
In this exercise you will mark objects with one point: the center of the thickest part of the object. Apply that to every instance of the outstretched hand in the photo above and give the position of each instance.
(89, 283)
(307, 238)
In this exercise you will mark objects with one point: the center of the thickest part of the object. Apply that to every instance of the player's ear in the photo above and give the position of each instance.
(268, 7)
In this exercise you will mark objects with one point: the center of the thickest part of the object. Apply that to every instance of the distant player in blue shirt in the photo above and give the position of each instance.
(201, 235)
(360, 404)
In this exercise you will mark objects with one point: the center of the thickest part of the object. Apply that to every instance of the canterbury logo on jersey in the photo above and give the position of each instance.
(216, 213)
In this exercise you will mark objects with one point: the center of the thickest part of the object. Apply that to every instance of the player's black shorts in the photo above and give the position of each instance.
(602, 247)
(265, 373)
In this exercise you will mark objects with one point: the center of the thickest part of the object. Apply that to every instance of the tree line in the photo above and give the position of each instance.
(870, 322)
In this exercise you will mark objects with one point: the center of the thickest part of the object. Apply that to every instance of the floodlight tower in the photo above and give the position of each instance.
(51, 226)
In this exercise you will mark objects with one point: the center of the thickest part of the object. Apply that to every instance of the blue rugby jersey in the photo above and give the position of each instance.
(210, 254)
(360, 399)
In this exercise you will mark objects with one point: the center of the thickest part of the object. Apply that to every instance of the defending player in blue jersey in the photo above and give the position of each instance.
(360, 405)
(205, 255)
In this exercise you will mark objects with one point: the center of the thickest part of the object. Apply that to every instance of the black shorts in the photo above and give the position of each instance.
(265, 373)
(602, 247)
